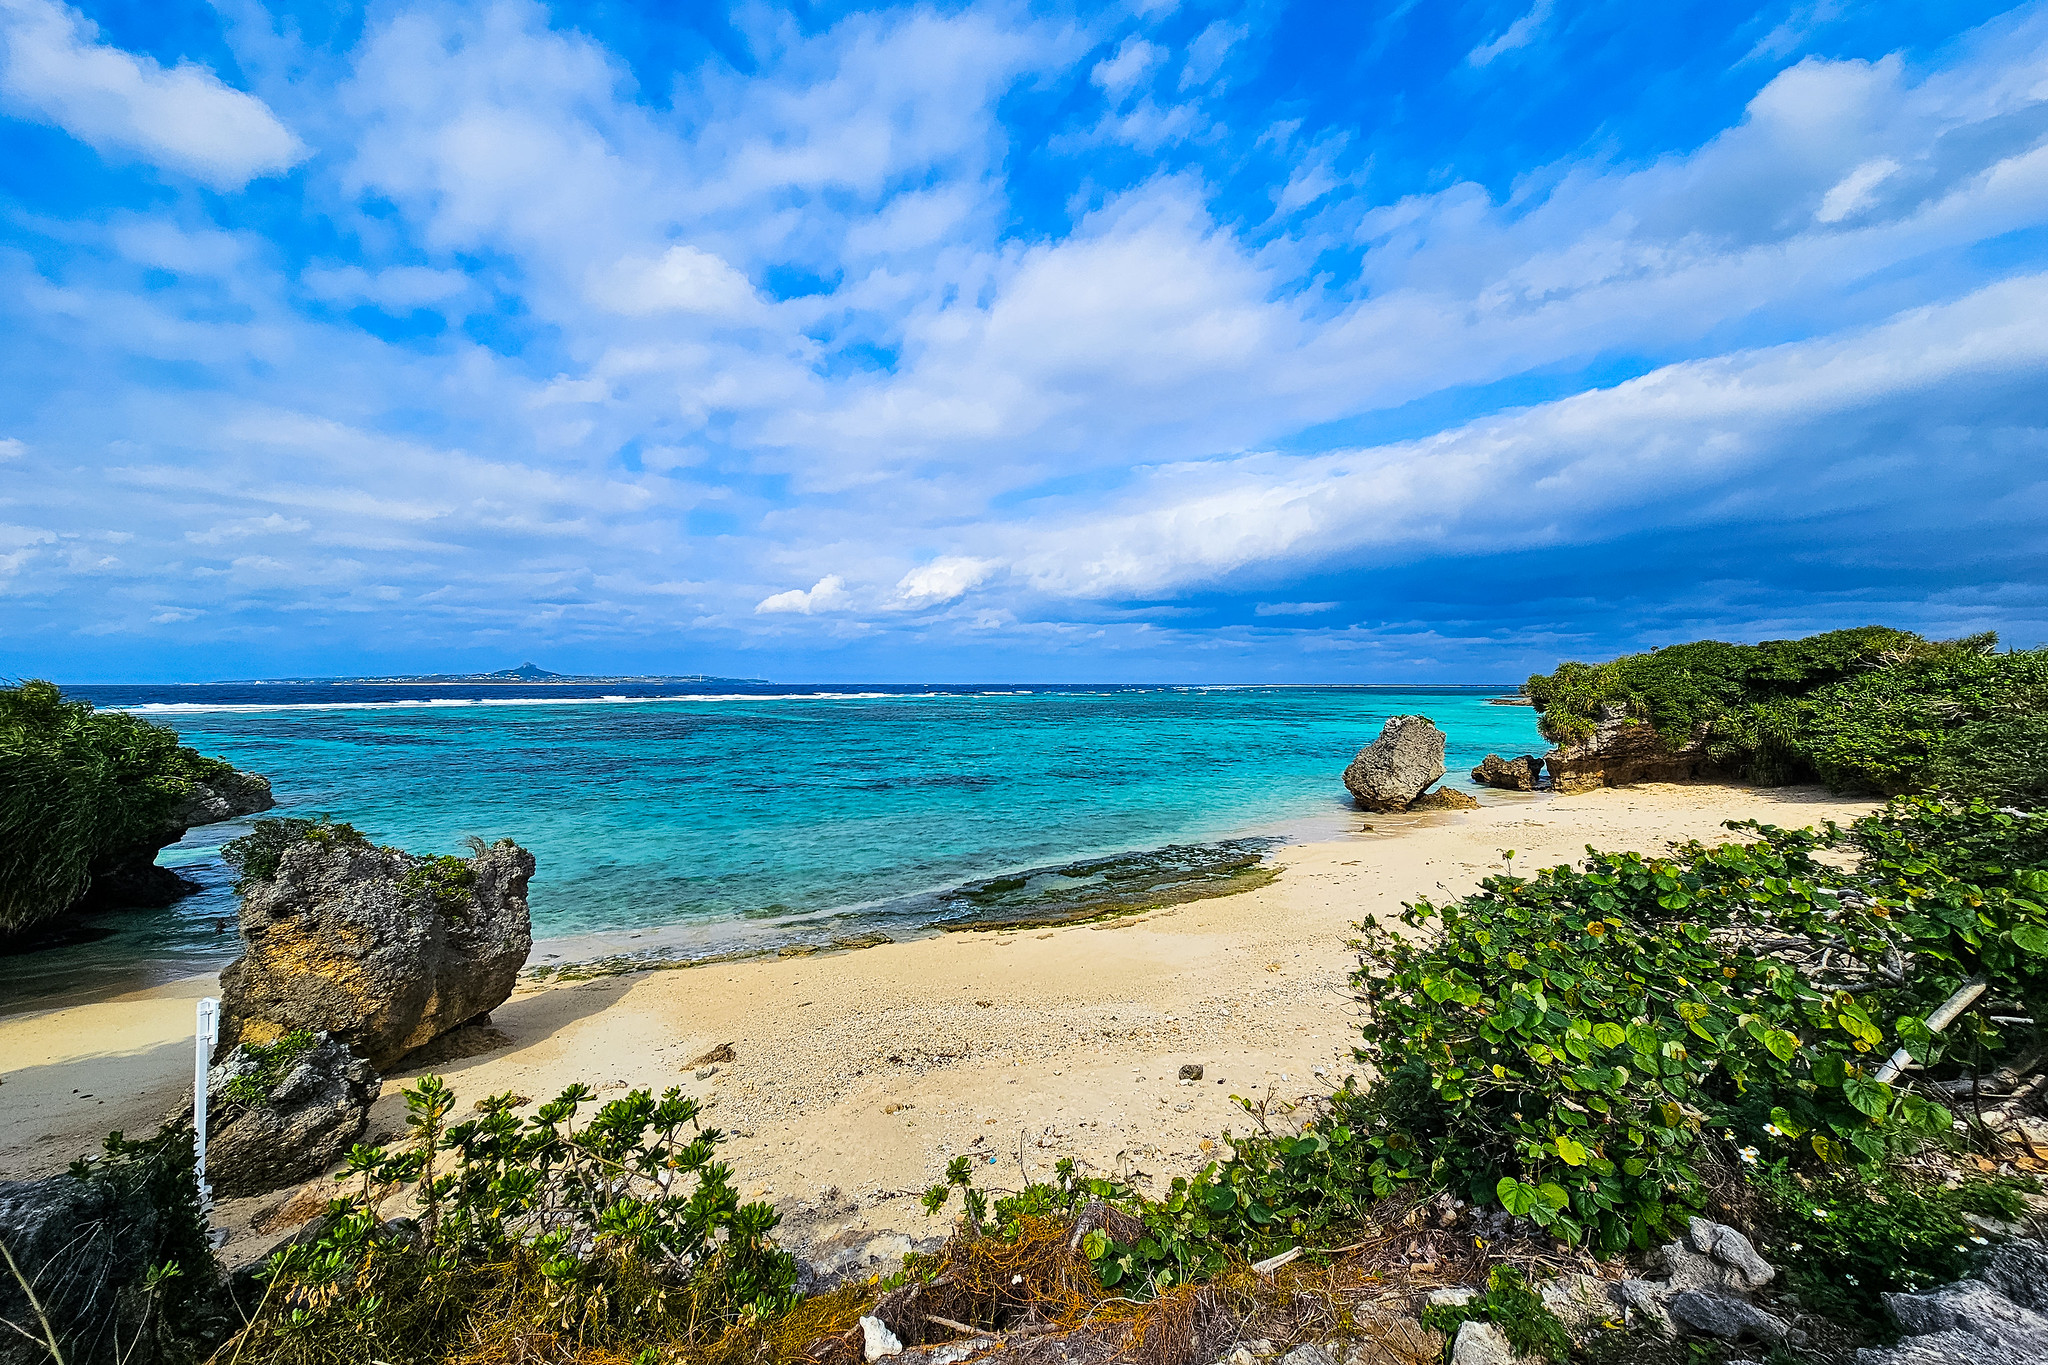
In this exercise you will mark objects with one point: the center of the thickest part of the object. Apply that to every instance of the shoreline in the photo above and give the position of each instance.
(857, 1075)
(626, 949)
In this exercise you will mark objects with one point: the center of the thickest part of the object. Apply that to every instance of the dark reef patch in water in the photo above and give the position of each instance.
(1124, 884)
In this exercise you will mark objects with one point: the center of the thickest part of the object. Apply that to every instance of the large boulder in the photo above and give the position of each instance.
(283, 1113)
(1993, 1319)
(1394, 769)
(384, 950)
(1509, 774)
(129, 877)
(1622, 750)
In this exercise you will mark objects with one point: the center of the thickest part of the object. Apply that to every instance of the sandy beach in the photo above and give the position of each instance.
(856, 1076)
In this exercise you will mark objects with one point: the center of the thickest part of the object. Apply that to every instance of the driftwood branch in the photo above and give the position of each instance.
(1951, 1009)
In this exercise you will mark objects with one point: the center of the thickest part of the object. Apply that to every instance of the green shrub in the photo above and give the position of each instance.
(78, 786)
(255, 855)
(537, 1239)
(1681, 689)
(1847, 1237)
(274, 1060)
(1869, 709)
(445, 879)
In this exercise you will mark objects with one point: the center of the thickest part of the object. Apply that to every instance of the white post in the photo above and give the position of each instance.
(202, 1061)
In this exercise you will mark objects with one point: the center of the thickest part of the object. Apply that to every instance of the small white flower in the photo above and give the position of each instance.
(1821, 1213)
(1774, 1130)
(1852, 1279)
(1980, 1241)
(1799, 1246)
(1749, 1154)
(1728, 1133)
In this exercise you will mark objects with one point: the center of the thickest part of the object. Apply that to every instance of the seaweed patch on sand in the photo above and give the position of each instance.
(1096, 888)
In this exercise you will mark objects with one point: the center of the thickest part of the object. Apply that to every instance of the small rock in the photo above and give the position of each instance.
(1581, 1302)
(1481, 1343)
(1509, 774)
(877, 1340)
(1191, 1071)
(1724, 1316)
(1731, 1249)
(1307, 1354)
(1456, 1296)
(312, 1117)
(1444, 798)
(705, 1073)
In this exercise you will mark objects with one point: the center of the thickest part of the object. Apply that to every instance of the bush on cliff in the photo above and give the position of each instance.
(537, 1240)
(1869, 709)
(76, 786)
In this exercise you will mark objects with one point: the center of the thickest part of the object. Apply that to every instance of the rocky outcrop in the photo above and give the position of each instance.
(313, 1107)
(1399, 766)
(1998, 1319)
(130, 878)
(384, 950)
(87, 1244)
(1622, 750)
(1509, 774)
(1445, 798)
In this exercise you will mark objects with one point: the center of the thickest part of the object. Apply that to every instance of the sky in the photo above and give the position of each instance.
(1362, 342)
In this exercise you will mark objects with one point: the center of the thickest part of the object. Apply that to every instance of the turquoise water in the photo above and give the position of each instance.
(706, 823)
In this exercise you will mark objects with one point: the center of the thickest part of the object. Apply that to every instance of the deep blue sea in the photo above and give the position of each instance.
(691, 820)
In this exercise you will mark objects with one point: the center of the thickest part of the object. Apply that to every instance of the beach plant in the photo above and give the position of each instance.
(543, 1236)
(79, 787)
(274, 1060)
(256, 855)
(1508, 1302)
(1846, 1237)
(1563, 1045)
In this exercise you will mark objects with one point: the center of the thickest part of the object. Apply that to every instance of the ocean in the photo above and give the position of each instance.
(671, 820)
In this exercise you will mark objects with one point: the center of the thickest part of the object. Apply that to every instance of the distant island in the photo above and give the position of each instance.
(526, 675)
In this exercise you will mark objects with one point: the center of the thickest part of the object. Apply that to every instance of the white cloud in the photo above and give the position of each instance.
(683, 279)
(1704, 432)
(395, 289)
(1854, 191)
(12, 448)
(1517, 35)
(1293, 608)
(942, 580)
(827, 594)
(1120, 73)
(275, 524)
(182, 119)
(173, 615)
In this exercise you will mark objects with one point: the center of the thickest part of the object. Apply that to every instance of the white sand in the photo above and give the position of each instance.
(867, 1071)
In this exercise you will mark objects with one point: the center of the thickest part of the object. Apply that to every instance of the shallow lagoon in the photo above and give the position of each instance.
(705, 821)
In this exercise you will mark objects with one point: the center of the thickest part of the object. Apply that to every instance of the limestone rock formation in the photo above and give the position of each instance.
(1399, 766)
(130, 878)
(1713, 1270)
(384, 950)
(1445, 798)
(1622, 750)
(1509, 774)
(312, 1114)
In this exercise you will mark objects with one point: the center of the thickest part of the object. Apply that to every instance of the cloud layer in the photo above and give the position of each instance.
(1008, 341)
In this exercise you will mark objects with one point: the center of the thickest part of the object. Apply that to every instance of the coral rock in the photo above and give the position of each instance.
(1509, 774)
(1622, 750)
(344, 939)
(316, 1112)
(1399, 766)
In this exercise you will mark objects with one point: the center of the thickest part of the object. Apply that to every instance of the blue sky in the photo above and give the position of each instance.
(1309, 342)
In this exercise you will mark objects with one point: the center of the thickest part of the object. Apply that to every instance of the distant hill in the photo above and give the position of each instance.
(526, 674)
